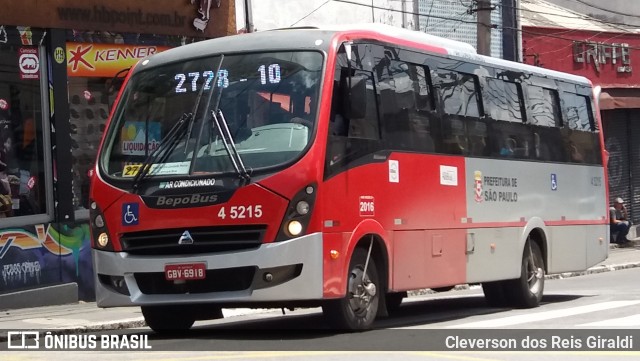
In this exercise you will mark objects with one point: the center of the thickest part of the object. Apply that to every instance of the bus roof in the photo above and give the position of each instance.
(319, 38)
(405, 34)
(454, 48)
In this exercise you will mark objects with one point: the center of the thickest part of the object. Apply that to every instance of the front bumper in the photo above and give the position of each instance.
(300, 258)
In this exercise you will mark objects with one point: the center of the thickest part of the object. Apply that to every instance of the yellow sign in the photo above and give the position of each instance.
(58, 55)
(130, 170)
(105, 60)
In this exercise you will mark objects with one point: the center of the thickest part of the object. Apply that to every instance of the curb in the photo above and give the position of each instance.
(594, 270)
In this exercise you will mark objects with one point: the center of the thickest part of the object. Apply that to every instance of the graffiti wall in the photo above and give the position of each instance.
(46, 254)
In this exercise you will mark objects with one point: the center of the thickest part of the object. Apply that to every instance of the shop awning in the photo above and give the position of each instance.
(619, 99)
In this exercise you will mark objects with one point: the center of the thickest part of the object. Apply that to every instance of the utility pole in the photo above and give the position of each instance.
(484, 26)
(518, 32)
(373, 14)
(248, 16)
(416, 15)
(403, 7)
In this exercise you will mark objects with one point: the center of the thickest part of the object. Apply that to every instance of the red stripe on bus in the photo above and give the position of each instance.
(371, 35)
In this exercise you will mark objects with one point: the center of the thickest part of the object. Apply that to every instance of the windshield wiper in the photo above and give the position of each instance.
(230, 145)
(173, 137)
(223, 128)
(167, 144)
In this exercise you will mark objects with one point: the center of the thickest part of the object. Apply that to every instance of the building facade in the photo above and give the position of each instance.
(456, 20)
(61, 64)
(609, 55)
(613, 11)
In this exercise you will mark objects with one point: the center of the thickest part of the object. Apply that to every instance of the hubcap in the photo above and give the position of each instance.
(361, 292)
(534, 275)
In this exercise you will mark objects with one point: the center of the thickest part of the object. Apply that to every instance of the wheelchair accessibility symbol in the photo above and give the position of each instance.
(130, 214)
(554, 182)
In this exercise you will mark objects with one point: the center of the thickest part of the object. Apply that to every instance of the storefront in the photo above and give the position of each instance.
(609, 57)
(61, 65)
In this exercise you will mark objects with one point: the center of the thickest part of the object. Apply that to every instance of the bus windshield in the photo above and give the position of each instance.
(267, 101)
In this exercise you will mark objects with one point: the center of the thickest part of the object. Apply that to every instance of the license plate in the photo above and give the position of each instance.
(185, 272)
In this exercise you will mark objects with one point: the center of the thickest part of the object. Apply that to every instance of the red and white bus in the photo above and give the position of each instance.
(342, 168)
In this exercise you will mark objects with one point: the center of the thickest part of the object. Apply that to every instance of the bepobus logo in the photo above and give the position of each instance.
(23, 340)
(190, 200)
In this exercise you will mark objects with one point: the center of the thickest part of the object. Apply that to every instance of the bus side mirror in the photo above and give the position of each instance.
(355, 97)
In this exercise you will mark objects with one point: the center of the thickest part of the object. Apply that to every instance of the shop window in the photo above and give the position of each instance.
(89, 100)
(23, 169)
(94, 88)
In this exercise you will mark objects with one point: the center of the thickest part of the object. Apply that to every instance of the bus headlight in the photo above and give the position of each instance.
(294, 228)
(103, 240)
(297, 217)
(99, 221)
(302, 208)
(99, 233)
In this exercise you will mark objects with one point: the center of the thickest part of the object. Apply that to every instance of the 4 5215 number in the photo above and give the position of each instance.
(241, 212)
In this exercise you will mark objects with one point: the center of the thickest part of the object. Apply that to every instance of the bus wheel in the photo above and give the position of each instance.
(358, 309)
(165, 319)
(527, 290)
(393, 300)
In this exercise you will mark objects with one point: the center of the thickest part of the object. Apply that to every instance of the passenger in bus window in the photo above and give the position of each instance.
(619, 220)
(508, 148)
(576, 155)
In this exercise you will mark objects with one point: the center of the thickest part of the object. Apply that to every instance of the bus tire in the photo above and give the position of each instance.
(358, 309)
(393, 301)
(526, 291)
(494, 293)
(166, 319)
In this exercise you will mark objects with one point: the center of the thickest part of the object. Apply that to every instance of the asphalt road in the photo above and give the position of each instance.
(578, 320)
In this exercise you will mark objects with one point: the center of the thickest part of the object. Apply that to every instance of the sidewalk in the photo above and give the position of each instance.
(86, 316)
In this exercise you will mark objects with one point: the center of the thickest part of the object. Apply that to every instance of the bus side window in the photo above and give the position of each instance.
(354, 112)
(503, 100)
(545, 119)
(459, 102)
(360, 106)
(543, 107)
(580, 129)
(478, 135)
(405, 107)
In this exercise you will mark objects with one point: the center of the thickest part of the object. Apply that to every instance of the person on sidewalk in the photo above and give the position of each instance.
(619, 223)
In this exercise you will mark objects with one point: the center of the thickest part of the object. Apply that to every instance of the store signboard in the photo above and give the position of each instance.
(135, 134)
(601, 54)
(29, 63)
(607, 59)
(105, 60)
(207, 18)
